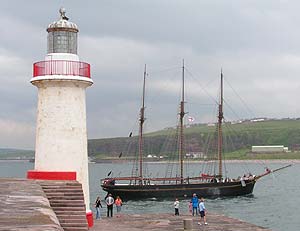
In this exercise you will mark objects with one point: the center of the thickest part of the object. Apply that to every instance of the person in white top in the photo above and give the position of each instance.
(110, 203)
(176, 206)
(202, 211)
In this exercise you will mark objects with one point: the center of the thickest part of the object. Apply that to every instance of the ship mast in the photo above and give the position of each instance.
(220, 119)
(181, 114)
(142, 120)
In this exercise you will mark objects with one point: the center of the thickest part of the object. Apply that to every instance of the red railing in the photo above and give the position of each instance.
(61, 67)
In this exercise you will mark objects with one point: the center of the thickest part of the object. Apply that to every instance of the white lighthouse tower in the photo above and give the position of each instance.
(61, 134)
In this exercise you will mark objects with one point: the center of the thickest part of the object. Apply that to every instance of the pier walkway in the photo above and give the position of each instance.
(165, 222)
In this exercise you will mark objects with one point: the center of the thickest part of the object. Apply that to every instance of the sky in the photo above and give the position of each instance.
(256, 43)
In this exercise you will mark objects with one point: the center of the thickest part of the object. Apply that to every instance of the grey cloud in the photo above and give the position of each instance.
(255, 42)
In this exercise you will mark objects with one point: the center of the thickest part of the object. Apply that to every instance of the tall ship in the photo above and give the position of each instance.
(180, 186)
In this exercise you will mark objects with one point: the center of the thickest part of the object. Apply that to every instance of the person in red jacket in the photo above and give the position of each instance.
(118, 203)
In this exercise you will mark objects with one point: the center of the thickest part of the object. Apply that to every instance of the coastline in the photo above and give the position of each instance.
(14, 160)
(273, 161)
(112, 161)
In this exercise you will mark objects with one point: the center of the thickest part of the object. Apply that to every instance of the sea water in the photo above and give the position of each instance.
(274, 203)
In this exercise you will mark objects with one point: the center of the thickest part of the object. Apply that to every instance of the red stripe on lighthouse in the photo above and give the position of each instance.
(50, 175)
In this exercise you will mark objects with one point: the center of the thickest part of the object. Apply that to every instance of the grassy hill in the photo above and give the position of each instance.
(241, 137)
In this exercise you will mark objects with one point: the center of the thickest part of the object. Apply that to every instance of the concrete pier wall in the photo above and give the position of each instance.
(24, 206)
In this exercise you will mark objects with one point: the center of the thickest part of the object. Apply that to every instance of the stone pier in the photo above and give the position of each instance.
(165, 222)
(24, 206)
(30, 205)
(41, 205)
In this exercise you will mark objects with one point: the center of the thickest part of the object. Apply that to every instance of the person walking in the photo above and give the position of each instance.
(97, 206)
(176, 206)
(110, 203)
(118, 203)
(202, 210)
(195, 204)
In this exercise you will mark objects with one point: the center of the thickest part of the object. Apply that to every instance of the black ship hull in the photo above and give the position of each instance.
(160, 191)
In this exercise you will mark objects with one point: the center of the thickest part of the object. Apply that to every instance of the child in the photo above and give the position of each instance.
(176, 206)
(202, 211)
(190, 207)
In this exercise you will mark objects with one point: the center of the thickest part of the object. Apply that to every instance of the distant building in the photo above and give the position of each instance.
(155, 157)
(269, 149)
(236, 122)
(211, 125)
(258, 120)
(194, 155)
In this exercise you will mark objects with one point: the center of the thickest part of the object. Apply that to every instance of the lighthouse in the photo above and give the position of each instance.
(61, 133)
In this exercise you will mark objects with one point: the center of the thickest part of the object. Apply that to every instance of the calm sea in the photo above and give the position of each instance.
(274, 203)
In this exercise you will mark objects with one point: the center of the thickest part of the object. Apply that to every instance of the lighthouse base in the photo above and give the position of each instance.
(89, 218)
(53, 180)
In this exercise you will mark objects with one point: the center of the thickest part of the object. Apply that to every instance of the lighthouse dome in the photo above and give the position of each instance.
(62, 35)
(63, 24)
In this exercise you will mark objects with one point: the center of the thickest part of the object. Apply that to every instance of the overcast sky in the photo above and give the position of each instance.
(256, 43)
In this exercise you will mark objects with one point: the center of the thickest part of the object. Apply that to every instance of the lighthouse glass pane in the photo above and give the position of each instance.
(62, 42)
(50, 43)
(72, 42)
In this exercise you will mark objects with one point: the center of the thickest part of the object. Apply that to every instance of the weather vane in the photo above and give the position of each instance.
(62, 12)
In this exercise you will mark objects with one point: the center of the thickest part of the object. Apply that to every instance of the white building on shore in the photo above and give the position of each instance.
(269, 149)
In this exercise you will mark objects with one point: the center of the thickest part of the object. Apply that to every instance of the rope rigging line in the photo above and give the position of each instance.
(210, 148)
(229, 137)
(170, 145)
(203, 88)
(241, 99)
(231, 130)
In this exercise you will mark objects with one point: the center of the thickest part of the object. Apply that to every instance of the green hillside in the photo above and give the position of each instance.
(240, 136)
(238, 139)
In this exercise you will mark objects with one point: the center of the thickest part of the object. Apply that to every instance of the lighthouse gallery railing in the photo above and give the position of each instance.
(61, 67)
